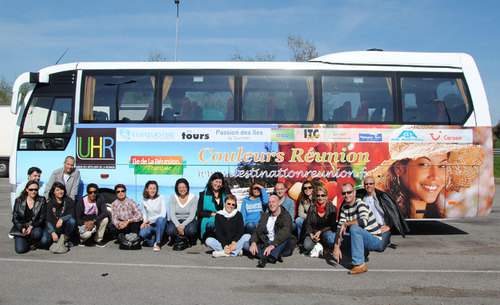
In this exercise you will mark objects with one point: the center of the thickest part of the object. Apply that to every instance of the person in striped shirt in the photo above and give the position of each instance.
(364, 231)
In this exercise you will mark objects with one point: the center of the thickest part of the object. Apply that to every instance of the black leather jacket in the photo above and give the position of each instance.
(19, 214)
(282, 228)
(392, 212)
(312, 219)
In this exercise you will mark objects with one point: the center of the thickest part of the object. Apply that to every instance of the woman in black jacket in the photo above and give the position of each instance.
(28, 218)
(228, 230)
(321, 222)
(61, 221)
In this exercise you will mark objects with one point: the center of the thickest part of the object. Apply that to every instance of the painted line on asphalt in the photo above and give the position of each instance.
(241, 268)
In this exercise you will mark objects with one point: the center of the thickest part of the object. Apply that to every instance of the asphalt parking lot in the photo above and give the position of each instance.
(452, 262)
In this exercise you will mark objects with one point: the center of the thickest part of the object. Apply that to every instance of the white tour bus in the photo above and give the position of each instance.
(418, 122)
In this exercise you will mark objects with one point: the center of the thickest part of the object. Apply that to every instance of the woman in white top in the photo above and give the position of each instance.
(154, 211)
(183, 224)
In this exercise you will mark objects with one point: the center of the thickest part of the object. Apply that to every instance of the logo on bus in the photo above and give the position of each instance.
(407, 136)
(96, 148)
(370, 137)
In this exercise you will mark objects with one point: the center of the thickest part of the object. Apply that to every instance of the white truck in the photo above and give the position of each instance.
(8, 123)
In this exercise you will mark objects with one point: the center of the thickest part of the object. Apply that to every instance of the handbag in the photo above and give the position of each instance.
(130, 241)
(181, 243)
(16, 233)
(59, 247)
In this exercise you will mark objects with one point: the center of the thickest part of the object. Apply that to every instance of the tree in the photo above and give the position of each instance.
(496, 135)
(156, 56)
(259, 57)
(5, 92)
(303, 50)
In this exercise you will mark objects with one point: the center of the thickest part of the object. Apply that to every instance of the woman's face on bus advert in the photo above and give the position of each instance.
(425, 177)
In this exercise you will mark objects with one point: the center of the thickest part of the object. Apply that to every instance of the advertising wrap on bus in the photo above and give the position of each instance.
(431, 171)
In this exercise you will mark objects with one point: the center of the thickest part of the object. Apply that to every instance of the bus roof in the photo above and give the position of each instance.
(383, 58)
(360, 58)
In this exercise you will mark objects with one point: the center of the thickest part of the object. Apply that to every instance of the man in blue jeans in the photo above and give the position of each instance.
(365, 232)
(384, 208)
(271, 238)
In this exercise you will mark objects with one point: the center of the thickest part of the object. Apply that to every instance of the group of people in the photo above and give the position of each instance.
(267, 227)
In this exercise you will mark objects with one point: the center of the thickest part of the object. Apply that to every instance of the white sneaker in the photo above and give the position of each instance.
(219, 254)
(317, 251)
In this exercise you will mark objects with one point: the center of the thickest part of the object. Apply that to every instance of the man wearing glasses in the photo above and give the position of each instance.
(92, 216)
(384, 208)
(364, 231)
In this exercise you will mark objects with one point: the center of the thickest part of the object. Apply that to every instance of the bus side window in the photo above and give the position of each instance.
(434, 100)
(197, 98)
(277, 98)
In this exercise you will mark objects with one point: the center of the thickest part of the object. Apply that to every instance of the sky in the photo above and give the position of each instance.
(34, 34)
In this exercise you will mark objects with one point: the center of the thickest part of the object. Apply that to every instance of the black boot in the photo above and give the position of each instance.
(262, 262)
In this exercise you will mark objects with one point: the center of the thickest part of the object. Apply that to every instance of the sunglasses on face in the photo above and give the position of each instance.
(33, 190)
(321, 195)
(231, 204)
(92, 192)
(256, 189)
(121, 191)
(347, 193)
(370, 183)
(307, 188)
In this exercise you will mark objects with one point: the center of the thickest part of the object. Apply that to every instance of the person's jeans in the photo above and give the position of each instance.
(327, 239)
(67, 228)
(250, 227)
(154, 233)
(299, 221)
(22, 244)
(362, 240)
(217, 246)
(190, 230)
(284, 248)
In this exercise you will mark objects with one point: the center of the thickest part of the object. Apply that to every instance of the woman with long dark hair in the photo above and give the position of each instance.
(28, 218)
(305, 200)
(210, 201)
(61, 221)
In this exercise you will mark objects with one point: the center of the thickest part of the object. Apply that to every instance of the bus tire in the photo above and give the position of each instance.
(4, 168)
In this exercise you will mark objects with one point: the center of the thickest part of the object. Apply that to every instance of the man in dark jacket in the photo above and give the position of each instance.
(92, 216)
(271, 238)
(384, 208)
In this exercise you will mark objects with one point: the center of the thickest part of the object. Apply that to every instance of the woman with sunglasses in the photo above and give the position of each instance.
(126, 216)
(28, 218)
(229, 231)
(321, 223)
(154, 212)
(305, 200)
(61, 221)
(253, 204)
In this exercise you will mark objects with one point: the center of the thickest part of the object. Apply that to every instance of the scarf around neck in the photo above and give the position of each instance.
(226, 214)
(321, 209)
